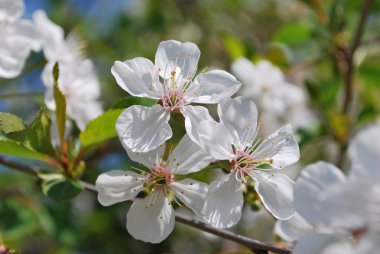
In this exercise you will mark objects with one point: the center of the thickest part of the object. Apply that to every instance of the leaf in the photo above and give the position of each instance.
(294, 33)
(101, 128)
(234, 46)
(10, 123)
(62, 189)
(130, 101)
(37, 135)
(12, 148)
(60, 102)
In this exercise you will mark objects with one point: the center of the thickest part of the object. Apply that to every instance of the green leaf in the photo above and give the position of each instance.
(10, 123)
(12, 148)
(62, 189)
(60, 102)
(369, 72)
(234, 46)
(37, 135)
(101, 128)
(130, 101)
(294, 33)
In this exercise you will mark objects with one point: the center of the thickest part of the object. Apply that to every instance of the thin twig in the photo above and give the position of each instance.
(348, 79)
(254, 245)
(349, 73)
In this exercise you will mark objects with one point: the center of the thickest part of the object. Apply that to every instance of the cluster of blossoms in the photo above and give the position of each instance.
(337, 213)
(233, 141)
(78, 80)
(280, 101)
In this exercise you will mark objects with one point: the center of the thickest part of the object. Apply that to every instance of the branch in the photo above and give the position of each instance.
(349, 86)
(254, 245)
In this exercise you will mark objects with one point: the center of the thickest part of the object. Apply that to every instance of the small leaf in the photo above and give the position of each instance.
(234, 46)
(12, 148)
(60, 102)
(48, 175)
(294, 33)
(62, 189)
(10, 123)
(37, 135)
(101, 128)
(130, 101)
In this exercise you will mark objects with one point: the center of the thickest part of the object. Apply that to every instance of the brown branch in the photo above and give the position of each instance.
(348, 79)
(254, 245)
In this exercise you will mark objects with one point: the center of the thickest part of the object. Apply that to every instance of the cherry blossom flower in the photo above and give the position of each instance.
(171, 81)
(80, 86)
(278, 100)
(56, 48)
(344, 211)
(151, 219)
(77, 81)
(18, 38)
(234, 139)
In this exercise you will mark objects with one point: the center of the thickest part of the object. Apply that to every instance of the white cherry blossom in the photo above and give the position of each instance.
(279, 101)
(234, 139)
(55, 46)
(18, 38)
(81, 88)
(151, 219)
(171, 81)
(344, 211)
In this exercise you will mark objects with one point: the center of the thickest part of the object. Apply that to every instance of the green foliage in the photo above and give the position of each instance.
(59, 188)
(10, 123)
(130, 101)
(12, 148)
(60, 103)
(37, 135)
(233, 45)
(293, 33)
(101, 128)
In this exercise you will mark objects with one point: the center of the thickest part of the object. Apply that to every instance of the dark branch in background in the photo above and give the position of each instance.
(349, 85)
(349, 72)
(254, 245)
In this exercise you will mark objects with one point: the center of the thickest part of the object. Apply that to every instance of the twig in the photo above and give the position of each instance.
(254, 245)
(348, 79)
(350, 69)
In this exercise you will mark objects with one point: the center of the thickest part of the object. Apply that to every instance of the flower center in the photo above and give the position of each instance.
(160, 179)
(244, 162)
(173, 100)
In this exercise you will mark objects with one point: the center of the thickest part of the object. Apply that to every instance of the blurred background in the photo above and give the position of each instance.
(305, 39)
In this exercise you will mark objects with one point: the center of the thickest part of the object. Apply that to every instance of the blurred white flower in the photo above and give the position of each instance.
(151, 219)
(345, 211)
(80, 86)
(142, 129)
(77, 77)
(279, 101)
(234, 139)
(56, 48)
(18, 38)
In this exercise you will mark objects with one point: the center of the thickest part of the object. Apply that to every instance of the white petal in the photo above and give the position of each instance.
(142, 129)
(317, 243)
(188, 157)
(292, 229)
(364, 151)
(215, 139)
(11, 9)
(244, 70)
(368, 244)
(172, 55)
(276, 193)
(224, 202)
(281, 147)
(151, 219)
(148, 159)
(192, 193)
(138, 77)
(117, 186)
(214, 86)
(240, 115)
(316, 195)
(193, 116)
